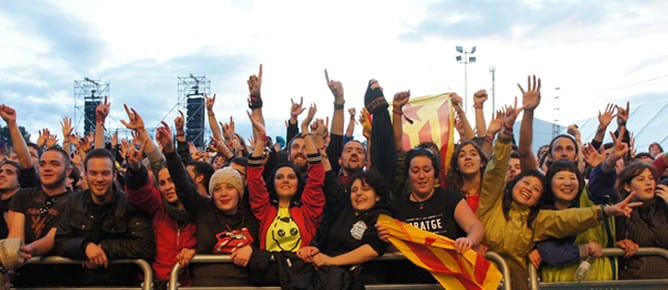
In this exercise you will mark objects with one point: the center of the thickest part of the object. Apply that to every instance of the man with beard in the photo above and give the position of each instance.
(34, 214)
(100, 225)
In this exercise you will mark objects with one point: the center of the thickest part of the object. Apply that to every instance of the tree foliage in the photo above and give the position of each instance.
(5, 138)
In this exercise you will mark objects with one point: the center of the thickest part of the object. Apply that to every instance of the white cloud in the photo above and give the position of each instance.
(593, 55)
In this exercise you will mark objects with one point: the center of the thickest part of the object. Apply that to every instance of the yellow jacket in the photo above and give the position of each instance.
(511, 237)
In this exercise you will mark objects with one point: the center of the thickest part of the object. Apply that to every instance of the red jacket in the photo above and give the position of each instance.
(169, 238)
(307, 216)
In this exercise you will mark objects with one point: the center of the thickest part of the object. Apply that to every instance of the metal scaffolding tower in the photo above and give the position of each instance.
(88, 94)
(190, 93)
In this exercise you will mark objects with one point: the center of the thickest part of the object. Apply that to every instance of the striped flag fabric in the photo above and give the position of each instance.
(433, 120)
(437, 254)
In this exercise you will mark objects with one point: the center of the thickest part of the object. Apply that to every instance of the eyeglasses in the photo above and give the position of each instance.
(48, 203)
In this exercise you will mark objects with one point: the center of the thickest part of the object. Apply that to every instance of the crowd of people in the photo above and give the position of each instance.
(301, 211)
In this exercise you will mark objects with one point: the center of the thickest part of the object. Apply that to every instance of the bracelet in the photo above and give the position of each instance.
(489, 138)
(477, 106)
(397, 111)
(508, 129)
(339, 106)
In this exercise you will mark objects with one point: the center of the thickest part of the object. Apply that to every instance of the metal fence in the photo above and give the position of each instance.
(208, 259)
(645, 284)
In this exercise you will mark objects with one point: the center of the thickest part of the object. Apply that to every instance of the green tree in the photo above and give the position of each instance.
(7, 141)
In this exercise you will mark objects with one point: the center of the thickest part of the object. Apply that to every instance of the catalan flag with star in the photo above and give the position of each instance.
(437, 254)
(433, 120)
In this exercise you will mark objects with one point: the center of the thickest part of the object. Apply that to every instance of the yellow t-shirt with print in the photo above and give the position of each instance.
(283, 233)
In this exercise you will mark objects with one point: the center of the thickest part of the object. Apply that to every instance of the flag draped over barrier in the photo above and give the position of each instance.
(433, 121)
(437, 254)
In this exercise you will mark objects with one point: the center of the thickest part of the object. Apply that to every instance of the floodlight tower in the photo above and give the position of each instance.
(465, 60)
(91, 93)
(191, 90)
(555, 110)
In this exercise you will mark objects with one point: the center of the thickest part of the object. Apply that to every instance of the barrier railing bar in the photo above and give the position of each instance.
(647, 251)
(145, 266)
(203, 259)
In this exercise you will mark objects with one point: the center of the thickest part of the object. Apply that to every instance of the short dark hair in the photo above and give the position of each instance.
(202, 168)
(643, 154)
(12, 163)
(99, 153)
(422, 151)
(37, 148)
(575, 143)
(66, 157)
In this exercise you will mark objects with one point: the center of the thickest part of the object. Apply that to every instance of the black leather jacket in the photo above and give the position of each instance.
(121, 230)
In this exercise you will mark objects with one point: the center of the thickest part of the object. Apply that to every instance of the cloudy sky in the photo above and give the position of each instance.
(593, 51)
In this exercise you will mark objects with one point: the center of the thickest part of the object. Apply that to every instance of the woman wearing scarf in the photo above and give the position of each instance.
(174, 232)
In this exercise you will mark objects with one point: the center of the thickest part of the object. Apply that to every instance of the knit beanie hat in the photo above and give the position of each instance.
(227, 175)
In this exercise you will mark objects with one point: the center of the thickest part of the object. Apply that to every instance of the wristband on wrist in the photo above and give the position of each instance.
(397, 111)
(508, 129)
(477, 106)
(489, 138)
(339, 106)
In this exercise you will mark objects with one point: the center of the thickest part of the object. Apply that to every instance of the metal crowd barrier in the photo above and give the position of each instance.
(609, 284)
(208, 259)
(145, 267)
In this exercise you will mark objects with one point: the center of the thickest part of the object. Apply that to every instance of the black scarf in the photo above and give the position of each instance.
(181, 216)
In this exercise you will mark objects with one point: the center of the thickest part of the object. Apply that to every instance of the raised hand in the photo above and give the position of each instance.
(180, 121)
(605, 117)
(51, 140)
(496, 123)
(296, 108)
(42, 137)
(210, 101)
(591, 156)
(619, 148)
(479, 98)
(531, 97)
(135, 156)
(194, 152)
(352, 112)
(574, 130)
(228, 129)
(102, 110)
(309, 117)
(136, 122)
(8, 114)
(365, 121)
(163, 135)
(623, 114)
(511, 114)
(336, 88)
(114, 139)
(66, 125)
(456, 100)
(255, 83)
(401, 99)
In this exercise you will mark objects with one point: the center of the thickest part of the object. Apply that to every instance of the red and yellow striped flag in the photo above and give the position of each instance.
(437, 254)
(433, 120)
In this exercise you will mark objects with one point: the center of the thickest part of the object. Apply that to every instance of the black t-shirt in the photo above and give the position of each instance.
(41, 211)
(436, 215)
(347, 232)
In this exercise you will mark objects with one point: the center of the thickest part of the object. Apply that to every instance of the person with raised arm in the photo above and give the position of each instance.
(224, 224)
(510, 213)
(173, 229)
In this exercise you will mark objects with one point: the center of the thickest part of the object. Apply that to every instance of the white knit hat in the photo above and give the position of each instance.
(227, 175)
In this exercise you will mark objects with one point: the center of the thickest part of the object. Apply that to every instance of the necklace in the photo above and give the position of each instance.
(422, 201)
